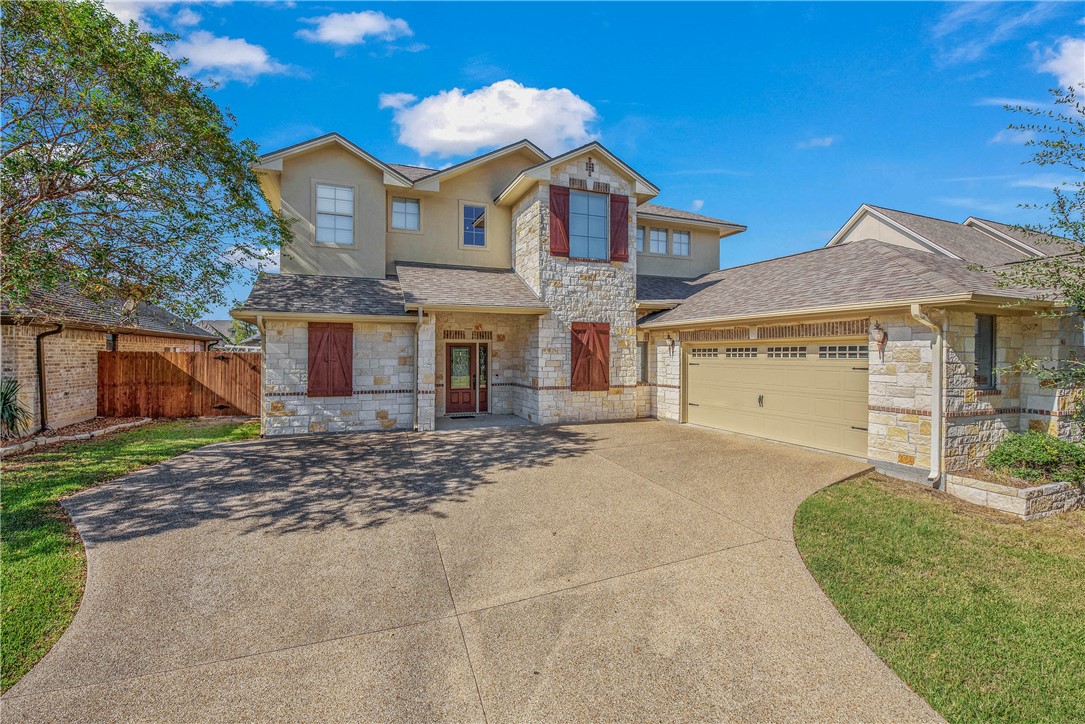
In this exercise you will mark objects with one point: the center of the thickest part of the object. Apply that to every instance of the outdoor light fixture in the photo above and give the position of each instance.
(880, 338)
(670, 343)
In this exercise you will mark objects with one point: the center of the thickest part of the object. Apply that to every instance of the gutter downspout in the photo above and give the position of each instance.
(937, 392)
(263, 373)
(43, 393)
(417, 354)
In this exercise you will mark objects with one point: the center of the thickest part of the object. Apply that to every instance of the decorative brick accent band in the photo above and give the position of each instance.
(715, 335)
(392, 391)
(899, 410)
(987, 393)
(846, 328)
(1009, 411)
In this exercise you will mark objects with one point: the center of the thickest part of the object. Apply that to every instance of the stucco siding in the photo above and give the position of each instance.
(704, 252)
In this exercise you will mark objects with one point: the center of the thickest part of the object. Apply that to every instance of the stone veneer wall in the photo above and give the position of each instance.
(577, 291)
(507, 336)
(71, 366)
(426, 377)
(665, 373)
(384, 379)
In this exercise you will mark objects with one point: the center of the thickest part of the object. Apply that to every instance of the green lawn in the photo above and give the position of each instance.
(43, 563)
(980, 613)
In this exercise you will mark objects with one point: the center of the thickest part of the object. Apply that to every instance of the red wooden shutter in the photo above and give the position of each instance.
(331, 359)
(619, 227)
(590, 356)
(559, 221)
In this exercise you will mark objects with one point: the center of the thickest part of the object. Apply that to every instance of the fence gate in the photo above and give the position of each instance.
(178, 384)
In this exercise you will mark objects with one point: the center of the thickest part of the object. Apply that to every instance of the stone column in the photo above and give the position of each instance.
(425, 371)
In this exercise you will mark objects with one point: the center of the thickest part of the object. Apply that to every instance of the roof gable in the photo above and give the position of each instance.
(273, 161)
(643, 188)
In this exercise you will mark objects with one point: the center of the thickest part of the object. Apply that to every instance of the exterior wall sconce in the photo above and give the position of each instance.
(880, 338)
(670, 343)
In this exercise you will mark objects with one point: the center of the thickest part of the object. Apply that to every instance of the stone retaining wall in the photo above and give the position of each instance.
(1027, 503)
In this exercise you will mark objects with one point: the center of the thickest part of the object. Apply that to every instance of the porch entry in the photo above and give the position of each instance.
(467, 377)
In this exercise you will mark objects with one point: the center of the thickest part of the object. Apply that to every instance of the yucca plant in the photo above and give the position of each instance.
(14, 418)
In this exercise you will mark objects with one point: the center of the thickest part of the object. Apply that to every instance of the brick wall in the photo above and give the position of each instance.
(384, 379)
(71, 366)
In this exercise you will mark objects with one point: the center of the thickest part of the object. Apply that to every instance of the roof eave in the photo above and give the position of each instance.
(724, 226)
(69, 324)
(479, 309)
(251, 315)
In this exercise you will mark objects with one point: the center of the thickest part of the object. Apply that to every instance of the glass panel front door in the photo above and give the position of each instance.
(467, 369)
(460, 373)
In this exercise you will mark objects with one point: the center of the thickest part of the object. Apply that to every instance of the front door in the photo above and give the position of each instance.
(460, 368)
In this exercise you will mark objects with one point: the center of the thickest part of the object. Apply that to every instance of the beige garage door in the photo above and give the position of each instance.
(807, 394)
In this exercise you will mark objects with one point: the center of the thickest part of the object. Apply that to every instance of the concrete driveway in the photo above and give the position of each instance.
(623, 571)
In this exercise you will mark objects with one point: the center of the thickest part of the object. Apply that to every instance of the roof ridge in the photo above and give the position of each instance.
(921, 216)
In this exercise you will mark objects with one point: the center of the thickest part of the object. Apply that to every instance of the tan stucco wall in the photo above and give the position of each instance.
(869, 227)
(333, 164)
(704, 252)
(438, 241)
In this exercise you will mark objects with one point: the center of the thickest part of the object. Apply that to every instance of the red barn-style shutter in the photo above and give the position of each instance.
(559, 221)
(590, 356)
(331, 359)
(619, 227)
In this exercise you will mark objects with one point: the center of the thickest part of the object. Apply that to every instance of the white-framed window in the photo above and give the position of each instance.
(985, 352)
(786, 352)
(657, 241)
(406, 214)
(736, 352)
(709, 352)
(473, 218)
(680, 243)
(334, 214)
(589, 236)
(640, 238)
(843, 351)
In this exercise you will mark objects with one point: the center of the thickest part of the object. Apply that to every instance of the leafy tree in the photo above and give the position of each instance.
(240, 331)
(1058, 140)
(118, 175)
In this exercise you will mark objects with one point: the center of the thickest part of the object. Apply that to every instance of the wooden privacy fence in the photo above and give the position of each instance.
(178, 384)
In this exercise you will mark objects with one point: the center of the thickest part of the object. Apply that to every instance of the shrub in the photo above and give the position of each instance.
(14, 418)
(1038, 456)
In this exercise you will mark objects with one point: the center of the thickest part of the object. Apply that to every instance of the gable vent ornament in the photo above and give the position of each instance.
(880, 338)
(589, 166)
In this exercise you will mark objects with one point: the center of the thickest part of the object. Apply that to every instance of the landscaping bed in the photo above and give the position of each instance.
(44, 565)
(85, 430)
(978, 612)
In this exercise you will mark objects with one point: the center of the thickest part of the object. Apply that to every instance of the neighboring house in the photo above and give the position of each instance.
(554, 290)
(221, 328)
(66, 332)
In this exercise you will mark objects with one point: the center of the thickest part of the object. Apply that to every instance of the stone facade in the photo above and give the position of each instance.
(71, 366)
(383, 372)
(576, 290)
(1040, 501)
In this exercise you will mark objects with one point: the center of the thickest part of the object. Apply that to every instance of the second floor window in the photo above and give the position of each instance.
(588, 232)
(657, 241)
(474, 225)
(406, 214)
(334, 214)
(640, 238)
(680, 243)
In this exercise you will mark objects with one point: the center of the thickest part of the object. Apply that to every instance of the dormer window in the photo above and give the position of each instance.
(588, 238)
(406, 214)
(334, 214)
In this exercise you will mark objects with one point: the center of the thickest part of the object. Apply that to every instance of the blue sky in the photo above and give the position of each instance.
(784, 117)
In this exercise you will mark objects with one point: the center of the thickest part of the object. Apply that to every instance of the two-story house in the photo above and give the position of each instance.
(505, 284)
(551, 288)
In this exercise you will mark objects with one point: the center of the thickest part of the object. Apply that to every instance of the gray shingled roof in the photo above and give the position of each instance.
(461, 286)
(317, 294)
(668, 289)
(220, 327)
(65, 305)
(1043, 243)
(970, 244)
(862, 272)
(413, 173)
(681, 215)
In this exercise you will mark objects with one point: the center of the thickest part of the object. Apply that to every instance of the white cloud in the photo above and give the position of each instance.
(395, 100)
(456, 123)
(697, 204)
(819, 142)
(974, 205)
(129, 10)
(1008, 135)
(1066, 62)
(1045, 181)
(186, 17)
(1000, 102)
(354, 28)
(966, 32)
(225, 59)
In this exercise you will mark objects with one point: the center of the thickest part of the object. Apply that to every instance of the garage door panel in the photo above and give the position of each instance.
(819, 403)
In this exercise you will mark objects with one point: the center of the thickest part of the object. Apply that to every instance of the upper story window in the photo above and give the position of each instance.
(640, 238)
(406, 214)
(588, 236)
(657, 241)
(334, 214)
(680, 243)
(985, 351)
(474, 225)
